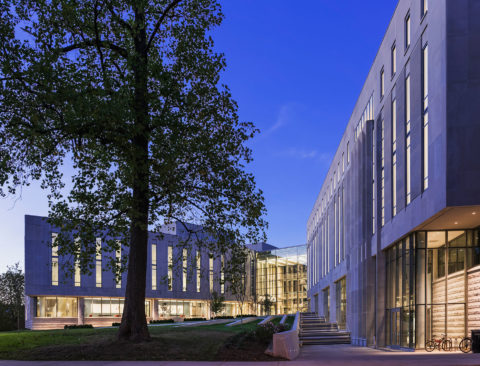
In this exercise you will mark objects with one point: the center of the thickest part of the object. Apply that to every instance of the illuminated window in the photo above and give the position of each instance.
(54, 260)
(184, 269)
(373, 179)
(210, 269)
(98, 263)
(199, 262)
(170, 267)
(154, 266)
(394, 60)
(394, 157)
(425, 115)
(343, 163)
(77, 278)
(118, 257)
(383, 169)
(222, 275)
(408, 139)
(382, 83)
(424, 7)
(407, 31)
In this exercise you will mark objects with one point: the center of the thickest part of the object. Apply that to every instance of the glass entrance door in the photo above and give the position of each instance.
(395, 327)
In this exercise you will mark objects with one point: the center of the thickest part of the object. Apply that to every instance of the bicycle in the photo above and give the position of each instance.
(465, 345)
(443, 343)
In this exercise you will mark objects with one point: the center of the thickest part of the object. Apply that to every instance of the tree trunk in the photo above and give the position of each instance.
(134, 322)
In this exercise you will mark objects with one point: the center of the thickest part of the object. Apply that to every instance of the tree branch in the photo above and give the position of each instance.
(117, 17)
(171, 6)
(92, 43)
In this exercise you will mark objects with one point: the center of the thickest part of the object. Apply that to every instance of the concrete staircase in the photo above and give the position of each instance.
(315, 330)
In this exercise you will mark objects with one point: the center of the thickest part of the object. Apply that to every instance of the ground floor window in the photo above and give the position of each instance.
(108, 307)
(56, 307)
(341, 302)
(326, 304)
(431, 278)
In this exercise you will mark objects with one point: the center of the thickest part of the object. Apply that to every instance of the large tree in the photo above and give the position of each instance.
(129, 94)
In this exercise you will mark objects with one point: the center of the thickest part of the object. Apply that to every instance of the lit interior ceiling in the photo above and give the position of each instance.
(454, 218)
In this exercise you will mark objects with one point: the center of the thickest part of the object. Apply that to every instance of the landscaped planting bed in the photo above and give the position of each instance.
(195, 343)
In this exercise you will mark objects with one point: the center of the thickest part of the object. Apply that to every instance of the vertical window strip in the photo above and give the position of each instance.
(373, 179)
(425, 117)
(170, 268)
(335, 238)
(154, 266)
(222, 275)
(394, 60)
(394, 157)
(383, 170)
(184, 269)
(210, 268)
(77, 279)
(199, 263)
(54, 260)
(408, 139)
(407, 31)
(118, 257)
(98, 263)
(343, 223)
(382, 82)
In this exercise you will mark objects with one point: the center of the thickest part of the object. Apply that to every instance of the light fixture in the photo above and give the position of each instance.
(474, 213)
(456, 222)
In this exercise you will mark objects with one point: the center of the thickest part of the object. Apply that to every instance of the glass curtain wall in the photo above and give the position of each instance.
(282, 277)
(427, 286)
(341, 302)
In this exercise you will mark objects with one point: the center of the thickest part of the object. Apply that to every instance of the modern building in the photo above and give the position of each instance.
(180, 280)
(393, 236)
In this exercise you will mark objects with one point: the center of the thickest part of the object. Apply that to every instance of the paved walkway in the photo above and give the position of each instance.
(332, 355)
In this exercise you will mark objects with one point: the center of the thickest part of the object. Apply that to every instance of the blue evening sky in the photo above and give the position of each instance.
(296, 70)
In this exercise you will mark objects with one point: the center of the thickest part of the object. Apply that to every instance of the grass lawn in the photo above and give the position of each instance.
(196, 343)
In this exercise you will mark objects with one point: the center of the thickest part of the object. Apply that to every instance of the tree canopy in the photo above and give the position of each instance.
(128, 93)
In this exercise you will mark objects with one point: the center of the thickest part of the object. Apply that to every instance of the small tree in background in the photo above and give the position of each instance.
(217, 303)
(235, 275)
(267, 304)
(12, 290)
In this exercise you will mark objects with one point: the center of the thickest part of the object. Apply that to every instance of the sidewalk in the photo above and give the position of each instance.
(331, 355)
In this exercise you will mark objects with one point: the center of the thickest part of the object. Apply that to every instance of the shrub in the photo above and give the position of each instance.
(160, 321)
(264, 332)
(246, 315)
(116, 324)
(224, 317)
(195, 319)
(84, 326)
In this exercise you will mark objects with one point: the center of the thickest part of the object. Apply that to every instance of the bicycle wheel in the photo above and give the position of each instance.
(465, 345)
(429, 346)
(447, 345)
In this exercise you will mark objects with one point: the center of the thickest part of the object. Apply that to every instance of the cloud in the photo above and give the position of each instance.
(304, 154)
(285, 116)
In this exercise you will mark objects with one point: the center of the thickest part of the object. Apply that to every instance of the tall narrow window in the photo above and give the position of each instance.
(170, 267)
(408, 185)
(154, 266)
(424, 7)
(394, 157)
(54, 260)
(199, 263)
(425, 116)
(348, 152)
(222, 275)
(335, 238)
(118, 257)
(382, 83)
(343, 223)
(383, 169)
(78, 277)
(210, 270)
(184, 269)
(407, 31)
(98, 263)
(394, 60)
(343, 163)
(373, 178)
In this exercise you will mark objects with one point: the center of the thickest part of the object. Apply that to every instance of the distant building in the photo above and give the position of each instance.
(393, 237)
(179, 281)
